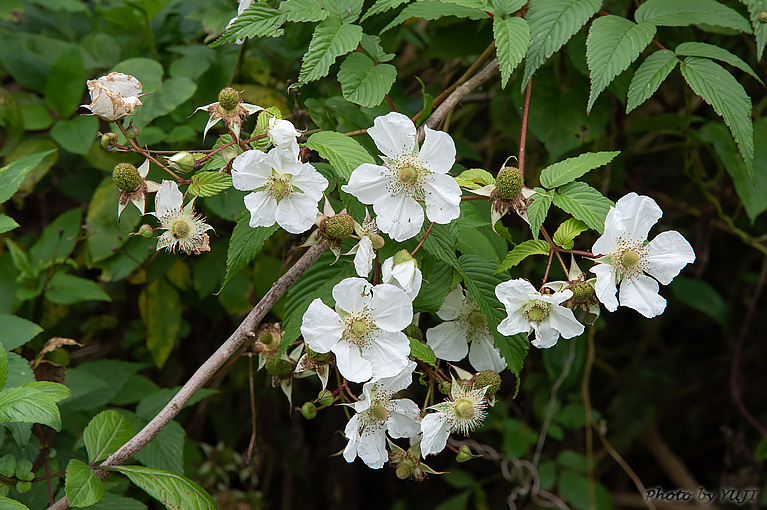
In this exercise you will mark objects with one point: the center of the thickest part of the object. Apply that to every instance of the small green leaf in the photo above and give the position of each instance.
(246, 242)
(681, 13)
(423, 352)
(702, 296)
(11, 504)
(16, 331)
(303, 10)
(66, 82)
(371, 45)
(584, 203)
(512, 38)
(649, 76)
(755, 8)
(382, 6)
(105, 433)
(432, 9)
(208, 184)
(83, 487)
(428, 103)
(570, 169)
(76, 135)
(160, 308)
(56, 391)
(567, 232)
(343, 152)
(538, 210)
(12, 174)
(7, 223)
(474, 178)
(521, 252)
(363, 82)
(3, 366)
(258, 20)
(699, 49)
(67, 289)
(27, 405)
(330, 40)
(172, 490)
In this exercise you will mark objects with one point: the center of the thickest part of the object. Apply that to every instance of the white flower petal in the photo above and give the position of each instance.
(321, 327)
(352, 294)
(514, 294)
(168, 199)
(371, 448)
(605, 285)
(641, 294)
(390, 308)
(667, 254)
(262, 207)
(350, 362)
(545, 335)
(435, 433)
(400, 381)
(143, 170)
(443, 198)
(387, 353)
(453, 306)
(352, 433)
(638, 214)
(363, 259)
(483, 355)
(406, 276)
(368, 183)
(250, 170)
(437, 152)
(402, 421)
(394, 134)
(563, 320)
(514, 323)
(608, 242)
(281, 131)
(400, 217)
(448, 341)
(310, 181)
(297, 213)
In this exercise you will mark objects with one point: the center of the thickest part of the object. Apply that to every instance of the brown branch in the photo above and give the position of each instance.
(209, 368)
(523, 129)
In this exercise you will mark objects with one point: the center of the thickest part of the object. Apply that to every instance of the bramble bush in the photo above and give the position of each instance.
(298, 257)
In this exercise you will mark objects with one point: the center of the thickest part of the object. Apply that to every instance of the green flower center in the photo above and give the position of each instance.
(536, 311)
(359, 329)
(464, 409)
(379, 412)
(229, 100)
(509, 183)
(407, 174)
(629, 259)
(180, 229)
(477, 319)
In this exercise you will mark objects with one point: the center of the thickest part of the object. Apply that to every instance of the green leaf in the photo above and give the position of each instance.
(575, 489)
(19, 372)
(67, 289)
(718, 88)
(14, 120)
(423, 352)
(681, 13)
(612, 45)
(506, 7)
(149, 72)
(343, 152)
(105, 433)
(703, 297)
(164, 100)
(83, 487)
(474, 178)
(363, 82)
(12, 174)
(570, 169)
(699, 49)
(568, 231)
(57, 241)
(28, 405)
(303, 10)
(432, 9)
(538, 210)
(166, 451)
(760, 454)
(160, 308)
(105, 235)
(521, 252)
(346, 10)
(442, 241)
(755, 7)
(649, 76)
(172, 490)
(382, 6)
(246, 242)
(7, 223)
(66, 82)
(11, 504)
(76, 135)
(56, 391)
(512, 38)
(371, 45)
(331, 39)
(258, 20)
(552, 24)
(208, 184)
(3, 366)
(436, 285)
(584, 203)
(16, 331)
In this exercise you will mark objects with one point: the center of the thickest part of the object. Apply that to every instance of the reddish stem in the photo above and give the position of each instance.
(426, 234)
(523, 133)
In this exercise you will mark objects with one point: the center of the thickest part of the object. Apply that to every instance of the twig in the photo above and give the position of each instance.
(425, 235)
(523, 130)
(209, 368)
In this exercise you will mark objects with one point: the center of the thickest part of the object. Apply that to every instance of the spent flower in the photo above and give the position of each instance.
(133, 185)
(113, 96)
(185, 229)
(230, 110)
(463, 412)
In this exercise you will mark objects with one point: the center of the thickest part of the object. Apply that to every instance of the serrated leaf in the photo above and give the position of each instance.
(699, 49)
(208, 184)
(174, 491)
(567, 171)
(105, 433)
(718, 88)
(474, 178)
(343, 152)
(612, 45)
(67, 289)
(505, 7)
(432, 9)
(382, 6)
(346, 10)
(756, 7)
(423, 352)
(27, 405)
(584, 203)
(442, 241)
(681, 13)
(552, 23)
(16, 331)
(330, 40)
(166, 451)
(538, 210)
(363, 82)
(649, 76)
(160, 309)
(436, 285)
(303, 10)
(258, 20)
(521, 252)
(83, 487)
(56, 391)
(246, 242)
(567, 232)
(7, 224)
(512, 38)
(12, 174)
(11, 504)
(371, 44)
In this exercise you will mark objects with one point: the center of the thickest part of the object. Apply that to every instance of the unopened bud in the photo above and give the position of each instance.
(404, 257)
(107, 139)
(309, 410)
(131, 132)
(508, 183)
(490, 379)
(126, 177)
(229, 99)
(338, 227)
(326, 398)
(145, 231)
(278, 367)
(464, 454)
(377, 241)
(182, 161)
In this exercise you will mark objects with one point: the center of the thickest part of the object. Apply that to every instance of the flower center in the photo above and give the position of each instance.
(464, 409)
(379, 412)
(407, 174)
(406, 177)
(629, 259)
(180, 229)
(279, 186)
(360, 330)
(536, 311)
(477, 319)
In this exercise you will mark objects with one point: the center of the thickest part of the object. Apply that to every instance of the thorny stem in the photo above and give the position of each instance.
(208, 368)
(425, 235)
(146, 153)
(523, 131)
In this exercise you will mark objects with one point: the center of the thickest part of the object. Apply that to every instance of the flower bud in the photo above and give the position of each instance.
(508, 183)
(464, 454)
(107, 139)
(126, 177)
(762, 17)
(145, 231)
(490, 379)
(278, 367)
(132, 132)
(338, 227)
(404, 257)
(377, 241)
(326, 398)
(229, 100)
(309, 410)
(182, 161)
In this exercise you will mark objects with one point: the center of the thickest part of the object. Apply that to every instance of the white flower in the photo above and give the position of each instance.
(184, 227)
(464, 412)
(626, 256)
(465, 324)
(364, 250)
(113, 96)
(530, 310)
(402, 271)
(282, 132)
(365, 330)
(377, 412)
(408, 175)
(285, 190)
(243, 4)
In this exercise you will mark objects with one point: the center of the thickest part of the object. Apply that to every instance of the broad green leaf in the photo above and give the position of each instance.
(512, 38)
(538, 210)
(346, 10)
(552, 23)
(172, 490)
(506, 7)
(330, 40)
(371, 44)
(585, 203)
(343, 152)
(14, 120)
(433, 9)
(57, 241)
(12, 174)
(105, 235)
(568, 231)
(718, 88)
(681, 13)
(83, 487)
(3, 366)
(166, 451)
(66, 82)
(382, 6)
(56, 391)
(258, 20)
(575, 489)
(246, 242)
(153, 401)
(442, 241)
(28, 405)
(11, 504)
(160, 308)
(476, 4)
(363, 82)
(149, 72)
(105, 433)
(648, 77)
(436, 284)
(702, 296)
(570, 169)
(303, 10)
(423, 352)
(76, 135)
(521, 252)
(16, 331)
(7, 223)
(207, 184)
(113, 502)
(474, 178)
(67, 289)
(612, 45)
(699, 49)
(19, 372)
(755, 8)
(164, 100)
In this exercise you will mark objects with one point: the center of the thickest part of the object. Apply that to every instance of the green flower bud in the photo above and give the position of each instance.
(464, 454)
(338, 227)
(490, 379)
(229, 100)
(582, 291)
(145, 231)
(182, 161)
(126, 177)
(132, 132)
(509, 183)
(309, 410)
(316, 356)
(107, 139)
(278, 367)
(403, 257)
(326, 398)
